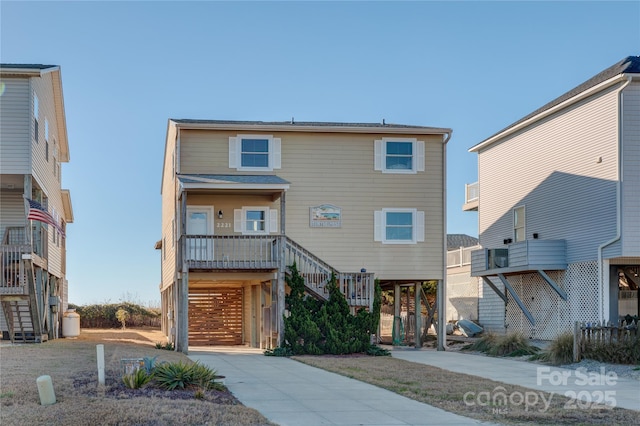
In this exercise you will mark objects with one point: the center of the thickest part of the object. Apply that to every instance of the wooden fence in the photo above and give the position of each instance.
(596, 334)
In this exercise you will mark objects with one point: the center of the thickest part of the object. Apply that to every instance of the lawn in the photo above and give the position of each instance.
(72, 365)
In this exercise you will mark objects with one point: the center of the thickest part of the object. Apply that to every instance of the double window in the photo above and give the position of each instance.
(399, 226)
(254, 153)
(399, 155)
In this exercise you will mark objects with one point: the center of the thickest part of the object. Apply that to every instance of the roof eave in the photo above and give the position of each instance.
(512, 129)
(311, 128)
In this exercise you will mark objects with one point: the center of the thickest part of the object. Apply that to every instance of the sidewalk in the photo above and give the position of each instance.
(288, 392)
(591, 386)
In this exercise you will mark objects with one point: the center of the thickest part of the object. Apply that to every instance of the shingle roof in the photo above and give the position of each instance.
(455, 241)
(292, 122)
(628, 65)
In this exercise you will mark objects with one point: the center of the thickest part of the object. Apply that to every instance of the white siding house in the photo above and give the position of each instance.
(33, 144)
(558, 211)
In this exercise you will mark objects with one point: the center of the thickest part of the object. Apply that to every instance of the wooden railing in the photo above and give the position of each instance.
(471, 192)
(12, 273)
(357, 287)
(589, 335)
(232, 251)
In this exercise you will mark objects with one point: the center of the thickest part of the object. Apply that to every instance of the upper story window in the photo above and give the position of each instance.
(399, 226)
(254, 152)
(399, 155)
(518, 224)
(36, 108)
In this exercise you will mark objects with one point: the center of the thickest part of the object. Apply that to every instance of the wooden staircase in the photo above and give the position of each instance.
(357, 287)
(20, 321)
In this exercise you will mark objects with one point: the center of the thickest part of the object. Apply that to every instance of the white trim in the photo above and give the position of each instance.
(209, 210)
(524, 225)
(245, 210)
(274, 149)
(380, 225)
(382, 160)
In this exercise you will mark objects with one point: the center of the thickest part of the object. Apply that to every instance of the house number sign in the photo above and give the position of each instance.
(325, 216)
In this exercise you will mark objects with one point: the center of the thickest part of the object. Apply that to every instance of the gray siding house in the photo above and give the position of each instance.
(33, 145)
(559, 212)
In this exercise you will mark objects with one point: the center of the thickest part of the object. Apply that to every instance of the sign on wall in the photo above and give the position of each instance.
(325, 216)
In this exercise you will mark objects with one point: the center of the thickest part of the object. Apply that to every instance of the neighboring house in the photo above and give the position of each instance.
(462, 288)
(243, 200)
(33, 144)
(559, 212)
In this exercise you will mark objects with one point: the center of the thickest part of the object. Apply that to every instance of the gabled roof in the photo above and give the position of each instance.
(628, 65)
(308, 126)
(455, 241)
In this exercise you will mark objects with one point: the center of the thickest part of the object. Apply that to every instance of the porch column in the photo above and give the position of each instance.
(280, 292)
(182, 310)
(418, 315)
(283, 212)
(396, 314)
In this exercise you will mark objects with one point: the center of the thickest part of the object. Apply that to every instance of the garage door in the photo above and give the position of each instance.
(215, 316)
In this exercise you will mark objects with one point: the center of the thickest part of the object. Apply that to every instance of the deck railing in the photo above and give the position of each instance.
(358, 287)
(471, 192)
(460, 257)
(232, 251)
(12, 273)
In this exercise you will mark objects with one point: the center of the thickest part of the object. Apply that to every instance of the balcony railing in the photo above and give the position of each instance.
(460, 257)
(12, 272)
(232, 251)
(471, 196)
(520, 257)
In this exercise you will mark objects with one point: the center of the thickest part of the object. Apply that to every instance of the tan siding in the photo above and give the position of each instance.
(339, 169)
(551, 168)
(15, 126)
(631, 170)
(169, 213)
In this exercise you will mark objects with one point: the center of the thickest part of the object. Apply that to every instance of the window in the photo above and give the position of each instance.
(254, 152)
(518, 224)
(46, 130)
(399, 226)
(36, 108)
(46, 150)
(399, 155)
(255, 220)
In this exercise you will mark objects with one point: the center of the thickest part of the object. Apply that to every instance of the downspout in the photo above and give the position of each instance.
(618, 235)
(442, 288)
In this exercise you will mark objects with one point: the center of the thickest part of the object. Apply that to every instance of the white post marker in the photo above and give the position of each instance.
(45, 390)
(100, 353)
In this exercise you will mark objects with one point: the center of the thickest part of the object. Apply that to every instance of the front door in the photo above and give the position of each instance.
(199, 226)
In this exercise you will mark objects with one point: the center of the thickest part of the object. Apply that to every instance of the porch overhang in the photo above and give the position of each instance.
(221, 184)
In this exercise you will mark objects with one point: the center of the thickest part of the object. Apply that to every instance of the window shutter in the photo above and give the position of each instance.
(378, 155)
(233, 152)
(273, 221)
(237, 220)
(377, 225)
(420, 156)
(277, 153)
(419, 227)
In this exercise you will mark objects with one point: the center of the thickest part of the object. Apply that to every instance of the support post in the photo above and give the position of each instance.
(576, 341)
(515, 296)
(182, 310)
(442, 318)
(418, 314)
(396, 313)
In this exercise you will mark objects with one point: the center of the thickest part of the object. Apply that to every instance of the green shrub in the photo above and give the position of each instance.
(375, 350)
(326, 327)
(279, 351)
(166, 346)
(559, 351)
(137, 379)
(512, 344)
(626, 352)
(180, 375)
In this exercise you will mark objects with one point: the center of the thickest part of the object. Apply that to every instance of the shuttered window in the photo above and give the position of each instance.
(254, 152)
(399, 226)
(399, 155)
(255, 220)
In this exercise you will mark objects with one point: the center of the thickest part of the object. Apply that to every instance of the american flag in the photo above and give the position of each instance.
(39, 213)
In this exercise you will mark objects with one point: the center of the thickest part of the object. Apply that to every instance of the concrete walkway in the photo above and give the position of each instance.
(288, 392)
(591, 386)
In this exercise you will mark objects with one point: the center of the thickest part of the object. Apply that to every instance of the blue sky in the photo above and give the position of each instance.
(127, 67)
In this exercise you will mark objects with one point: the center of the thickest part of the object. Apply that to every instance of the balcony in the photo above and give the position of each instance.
(521, 257)
(232, 252)
(471, 197)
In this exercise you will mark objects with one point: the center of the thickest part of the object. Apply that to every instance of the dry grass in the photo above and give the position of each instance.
(446, 390)
(71, 363)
